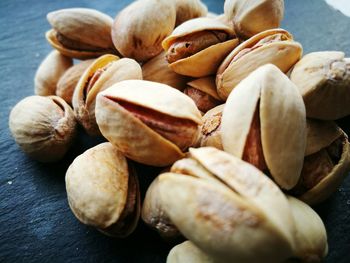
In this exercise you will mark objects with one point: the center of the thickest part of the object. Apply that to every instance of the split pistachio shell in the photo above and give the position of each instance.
(264, 100)
(103, 73)
(189, 9)
(139, 29)
(69, 80)
(206, 61)
(103, 192)
(43, 127)
(154, 216)
(251, 17)
(310, 236)
(157, 70)
(80, 32)
(275, 46)
(49, 72)
(211, 128)
(323, 78)
(188, 252)
(214, 196)
(149, 122)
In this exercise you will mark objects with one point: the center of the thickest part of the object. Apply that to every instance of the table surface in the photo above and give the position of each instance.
(36, 224)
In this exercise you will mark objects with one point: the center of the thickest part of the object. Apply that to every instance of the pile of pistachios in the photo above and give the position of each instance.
(242, 123)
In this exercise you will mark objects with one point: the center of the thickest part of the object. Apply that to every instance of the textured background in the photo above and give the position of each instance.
(36, 224)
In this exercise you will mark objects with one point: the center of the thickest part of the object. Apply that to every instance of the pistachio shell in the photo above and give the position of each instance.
(211, 128)
(254, 16)
(189, 9)
(43, 127)
(283, 54)
(98, 189)
(115, 70)
(133, 136)
(138, 30)
(188, 252)
(237, 206)
(283, 143)
(49, 72)
(323, 79)
(157, 70)
(69, 80)
(206, 61)
(206, 84)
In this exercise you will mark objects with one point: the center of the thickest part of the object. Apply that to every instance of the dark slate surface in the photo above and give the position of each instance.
(36, 224)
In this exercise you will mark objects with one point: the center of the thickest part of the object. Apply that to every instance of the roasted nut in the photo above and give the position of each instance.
(275, 46)
(213, 196)
(154, 216)
(189, 9)
(138, 30)
(103, 191)
(103, 73)
(49, 72)
(254, 127)
(149, 122)
(197, 47)
(323, 78)
(69, 80)
(250, 17)
(211, 128)
(188, 252)
(203, 92)
(80, 32)
(157, 70)
(43, 127)
(326, 162)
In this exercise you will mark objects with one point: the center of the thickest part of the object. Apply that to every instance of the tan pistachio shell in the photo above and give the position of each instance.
(283, 143)
(283, 54)
(320, 134)
(188, 252)
(43, 127)
(205, 62)
(49, 72)
(206, 85)
(157, 70)
(83, 25)
(323, 78)
(139, 29)
(250, 17)
(117, 70)
(310, 237)
(230, 201)
(98, 185)
(69, 80)
(211, 128)
(133, 137)
(189, 9)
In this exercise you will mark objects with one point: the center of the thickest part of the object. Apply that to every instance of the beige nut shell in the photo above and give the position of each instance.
(283, 54)
(205, 62)
(188, 252)
(189, 9)
(211, 128)
(283, 143)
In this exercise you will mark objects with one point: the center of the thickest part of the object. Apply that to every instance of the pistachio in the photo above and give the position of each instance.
(138, 30)
(197, 47)
(157, 70)
(203, 92)
(189, 9)
(211, 128)
(323, 79)
(214, 196)
(69, 80)
(149, 122)
(254, 126)
(154, 216)
(43, 127)
(250, 17)
(103, 191)
(49, 72)
(275, 46)
(80, 32)
(188, 252)
(326, 163)
(103, 73)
